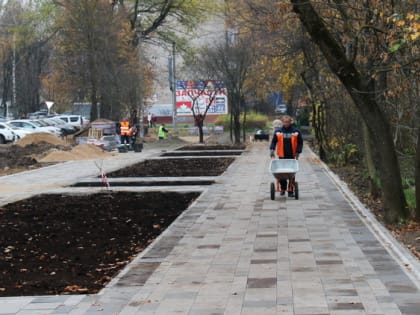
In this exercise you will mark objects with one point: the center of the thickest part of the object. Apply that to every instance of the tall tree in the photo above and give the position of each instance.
(95, 57)
(155, 19)
(360, 87)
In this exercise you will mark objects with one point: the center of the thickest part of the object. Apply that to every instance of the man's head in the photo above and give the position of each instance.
(277, 123)
(287, 121)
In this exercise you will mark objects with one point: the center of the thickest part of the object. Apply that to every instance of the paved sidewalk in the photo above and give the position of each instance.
(235, 251)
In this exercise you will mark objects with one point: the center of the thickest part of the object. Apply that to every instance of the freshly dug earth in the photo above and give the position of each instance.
(213, 147)
(35, 138)
(17, 158)
(27, 151)
(79, 152)
(40, 149)
(54, 244)
(176, 167)
(202, 153)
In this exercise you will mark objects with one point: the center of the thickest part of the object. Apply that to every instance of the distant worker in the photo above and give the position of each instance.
(162, 133)
(287, 143)
(125, 131)
(154, 120)
(133, 134)
(149, 120)
(277, 124)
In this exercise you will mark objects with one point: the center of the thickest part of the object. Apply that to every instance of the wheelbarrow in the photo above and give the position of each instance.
(285, 169)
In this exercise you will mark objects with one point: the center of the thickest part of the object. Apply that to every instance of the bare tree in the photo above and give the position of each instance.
(203, 96)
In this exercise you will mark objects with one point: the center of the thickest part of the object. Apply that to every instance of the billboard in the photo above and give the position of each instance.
(199, 94)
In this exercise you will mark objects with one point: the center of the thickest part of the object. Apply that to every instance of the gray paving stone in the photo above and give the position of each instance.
(235, 251)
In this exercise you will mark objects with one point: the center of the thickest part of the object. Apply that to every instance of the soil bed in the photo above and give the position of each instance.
(176, 167)
(146, 183)
(213, 147)
(203, 153)
(55, 244)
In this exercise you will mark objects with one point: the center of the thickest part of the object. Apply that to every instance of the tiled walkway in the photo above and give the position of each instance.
(235, 251)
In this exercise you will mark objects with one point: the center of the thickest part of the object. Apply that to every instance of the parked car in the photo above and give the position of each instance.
(281, 109)
(19, 133)
(28, 125)
(261, 135)
(107, 143)
(38, 114)
(59, 123)
(75, 120)
(53, 129)
(6, 135)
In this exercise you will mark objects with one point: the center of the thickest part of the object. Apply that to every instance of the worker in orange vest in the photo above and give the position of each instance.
(125, 131)
(287, 143)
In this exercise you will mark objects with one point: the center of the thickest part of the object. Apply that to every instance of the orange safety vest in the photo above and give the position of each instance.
(124, 128)
(280, 144)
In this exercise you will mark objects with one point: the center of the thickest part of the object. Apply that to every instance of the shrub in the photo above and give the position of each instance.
(343, 153)
(253, 121)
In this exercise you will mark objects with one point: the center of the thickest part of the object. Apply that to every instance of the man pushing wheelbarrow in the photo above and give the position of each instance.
(287, 144)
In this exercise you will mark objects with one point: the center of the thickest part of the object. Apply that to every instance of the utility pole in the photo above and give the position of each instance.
(13, 77)
(173, 87)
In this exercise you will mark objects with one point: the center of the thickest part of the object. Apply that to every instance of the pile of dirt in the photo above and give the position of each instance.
(17, 158)
(39, 137)
(79, 152)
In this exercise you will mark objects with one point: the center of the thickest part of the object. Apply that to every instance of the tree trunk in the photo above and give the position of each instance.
(200, 134)
(236, 125)
(244, 127)
(417, 175)
(6, 86)
(362, 94)
(370, 164)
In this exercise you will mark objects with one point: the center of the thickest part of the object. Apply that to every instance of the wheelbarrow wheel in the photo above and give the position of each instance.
(296, 191)
(272, 191)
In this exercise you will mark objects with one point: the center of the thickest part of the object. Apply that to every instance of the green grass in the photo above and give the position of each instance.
(410, 197)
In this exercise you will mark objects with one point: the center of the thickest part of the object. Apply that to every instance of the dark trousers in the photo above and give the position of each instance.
(125, 139)
(283, 182)
(290, 187)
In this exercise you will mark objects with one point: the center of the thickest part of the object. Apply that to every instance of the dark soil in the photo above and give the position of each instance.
(54, 244)
(17, 157)
(213, 147)
(146, 183)
(176, 167)
(203, 153)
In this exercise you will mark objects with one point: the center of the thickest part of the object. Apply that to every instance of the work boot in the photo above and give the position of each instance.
(291, 194)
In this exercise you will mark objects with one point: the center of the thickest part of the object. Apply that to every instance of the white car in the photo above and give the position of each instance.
(19, 133)
(66, 128)
(27, 125)
(53, 129)
(6, 135)
(74, 120)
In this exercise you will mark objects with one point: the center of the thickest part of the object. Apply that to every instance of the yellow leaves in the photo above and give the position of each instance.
(414, 36)
(411, 16)
(408, 26)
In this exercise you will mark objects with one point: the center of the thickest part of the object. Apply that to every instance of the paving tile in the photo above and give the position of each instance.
(235, 251)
